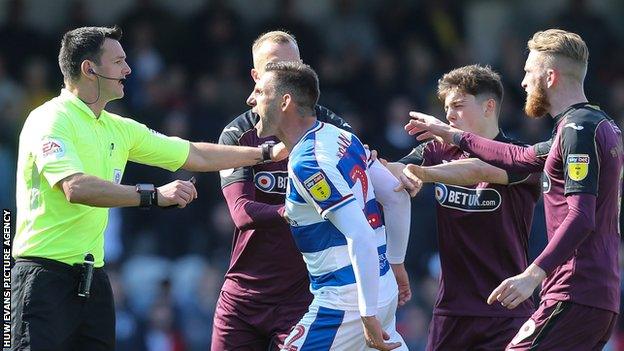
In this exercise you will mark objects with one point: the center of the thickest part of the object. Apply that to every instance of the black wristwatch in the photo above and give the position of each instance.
(149, 197)
(266, 152)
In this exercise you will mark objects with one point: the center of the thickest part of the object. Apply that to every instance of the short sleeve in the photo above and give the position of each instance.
(580, 158)
(55, 152)
(542, 149)
(323, 185)
(154, 149)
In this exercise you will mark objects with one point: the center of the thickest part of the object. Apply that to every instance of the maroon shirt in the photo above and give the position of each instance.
(483, 233)
(582, 187)
(265, 266)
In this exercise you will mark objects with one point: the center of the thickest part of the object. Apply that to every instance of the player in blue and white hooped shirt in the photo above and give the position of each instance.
(336, 221)
(330, 202)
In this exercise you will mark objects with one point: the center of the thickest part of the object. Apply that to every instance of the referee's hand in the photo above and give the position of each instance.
(177, 193)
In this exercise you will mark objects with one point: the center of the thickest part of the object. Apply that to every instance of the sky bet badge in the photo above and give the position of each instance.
(318, 187)
(578, 166)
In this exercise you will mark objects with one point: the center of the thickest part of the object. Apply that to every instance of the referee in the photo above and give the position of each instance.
(72, 154)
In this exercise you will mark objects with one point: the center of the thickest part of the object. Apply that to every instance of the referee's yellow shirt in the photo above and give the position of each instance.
(63, 137)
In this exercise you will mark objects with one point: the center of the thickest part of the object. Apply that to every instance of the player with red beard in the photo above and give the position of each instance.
(582, 185)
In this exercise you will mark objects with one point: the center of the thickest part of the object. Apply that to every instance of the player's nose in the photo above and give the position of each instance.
(524, 83)
(451, 116)
(251, 101)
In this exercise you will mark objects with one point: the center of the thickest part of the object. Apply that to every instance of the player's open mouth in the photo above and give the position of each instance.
(122, 81)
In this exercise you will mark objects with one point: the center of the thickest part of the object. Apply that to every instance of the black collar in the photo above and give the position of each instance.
(561, 115)
(501, 136)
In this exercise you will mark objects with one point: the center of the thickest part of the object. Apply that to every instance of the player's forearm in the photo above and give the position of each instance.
(208, 157)
(397, 211)
(574, 229)
(365, 262)
(248, 213)
(92, 191)
(361, 244)
(510, 157)
(463, 172)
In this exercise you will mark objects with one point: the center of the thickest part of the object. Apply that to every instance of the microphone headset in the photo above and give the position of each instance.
(101, 76)
(90, 70)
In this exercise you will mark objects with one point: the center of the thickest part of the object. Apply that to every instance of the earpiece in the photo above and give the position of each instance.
(91, 71)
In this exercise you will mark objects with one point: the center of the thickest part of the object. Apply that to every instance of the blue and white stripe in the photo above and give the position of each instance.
(323, 246)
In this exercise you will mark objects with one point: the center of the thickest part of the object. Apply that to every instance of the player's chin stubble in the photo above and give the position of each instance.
(537, 104)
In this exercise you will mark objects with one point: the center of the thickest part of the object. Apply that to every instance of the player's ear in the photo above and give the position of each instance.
(286, 101)
(490, 107)
(552, 77)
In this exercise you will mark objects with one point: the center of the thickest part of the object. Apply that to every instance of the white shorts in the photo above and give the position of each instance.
(323, 328)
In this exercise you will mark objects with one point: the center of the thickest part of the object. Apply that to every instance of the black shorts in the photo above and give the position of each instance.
(47, 313)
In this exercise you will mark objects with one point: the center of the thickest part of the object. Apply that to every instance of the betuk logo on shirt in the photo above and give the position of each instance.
(467, 199)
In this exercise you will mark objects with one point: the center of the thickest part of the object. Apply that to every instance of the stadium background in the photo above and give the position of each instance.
(190, 63)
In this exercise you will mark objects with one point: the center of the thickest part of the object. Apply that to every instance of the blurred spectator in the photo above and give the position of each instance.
(161, 333)
(78, 16)
(36, 85)
(216, 28)
(581, 18)
(113, 245)
(398, 143)
(18, 40)
(7, 171)
(128, 328)
(349, 32)
(288, 19)
(11, 108)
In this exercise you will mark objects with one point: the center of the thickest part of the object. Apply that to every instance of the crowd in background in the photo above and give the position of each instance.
(376, 60)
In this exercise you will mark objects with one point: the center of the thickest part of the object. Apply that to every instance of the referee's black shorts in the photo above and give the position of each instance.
(47, 313)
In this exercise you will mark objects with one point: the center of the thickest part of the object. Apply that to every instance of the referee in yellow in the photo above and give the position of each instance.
(72, 154)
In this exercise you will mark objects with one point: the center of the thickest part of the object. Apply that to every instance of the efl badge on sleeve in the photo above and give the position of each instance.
(318, 186)
(578, 166)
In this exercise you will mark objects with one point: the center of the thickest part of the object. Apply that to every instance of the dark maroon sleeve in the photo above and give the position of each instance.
(513, 158)
(248, 213)
(578, 224)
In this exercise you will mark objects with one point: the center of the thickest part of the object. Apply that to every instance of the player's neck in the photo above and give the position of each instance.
(490, 131)
(293, 129)
(559, 102)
